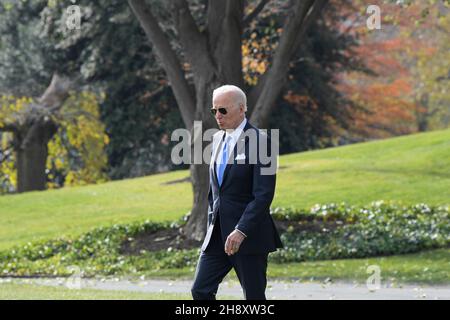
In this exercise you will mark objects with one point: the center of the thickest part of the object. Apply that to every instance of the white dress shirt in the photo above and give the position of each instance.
(232, 136)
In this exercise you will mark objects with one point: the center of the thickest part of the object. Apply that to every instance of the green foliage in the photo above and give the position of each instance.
(76, 154)
(96, 252)
(26, 61)
(378, 229)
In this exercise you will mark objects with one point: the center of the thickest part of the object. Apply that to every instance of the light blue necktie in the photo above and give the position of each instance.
(223, 162)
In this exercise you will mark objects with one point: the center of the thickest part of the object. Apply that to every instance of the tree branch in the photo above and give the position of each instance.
(303, 15)
(252, 15)
(309, 20)
(29, 134)
(228, 53)
(193, 41)
(166, 54)
(56, 93)
(8, 127)
(6, 153)
(214, 20)
(149, 95)
(255, 92)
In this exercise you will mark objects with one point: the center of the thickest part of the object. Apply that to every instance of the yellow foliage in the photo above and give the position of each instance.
(85, 133)
(81, 134)
(256, 52)
(10, 108)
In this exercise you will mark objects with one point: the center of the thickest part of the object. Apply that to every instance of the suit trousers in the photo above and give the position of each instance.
(214, 264)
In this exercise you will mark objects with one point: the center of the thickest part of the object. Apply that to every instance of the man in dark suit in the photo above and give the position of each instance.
(241, 232)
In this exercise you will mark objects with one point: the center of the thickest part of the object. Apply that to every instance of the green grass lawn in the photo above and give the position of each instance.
(410, 169)
(426, 267)
(14, 291)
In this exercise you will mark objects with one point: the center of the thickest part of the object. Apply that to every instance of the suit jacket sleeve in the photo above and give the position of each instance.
(263, 192)
(210, 206)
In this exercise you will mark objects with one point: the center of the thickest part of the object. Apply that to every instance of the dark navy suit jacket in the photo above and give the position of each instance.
(244, 197)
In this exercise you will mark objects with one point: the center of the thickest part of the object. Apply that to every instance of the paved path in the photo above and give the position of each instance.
(276, 289)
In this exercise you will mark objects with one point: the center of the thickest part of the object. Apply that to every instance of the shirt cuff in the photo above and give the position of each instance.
(241, 232)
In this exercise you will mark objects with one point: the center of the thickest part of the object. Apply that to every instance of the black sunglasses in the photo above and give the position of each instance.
(221, 110)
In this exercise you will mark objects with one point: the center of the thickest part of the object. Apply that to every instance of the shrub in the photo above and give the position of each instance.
(378, 229)
(329, 231)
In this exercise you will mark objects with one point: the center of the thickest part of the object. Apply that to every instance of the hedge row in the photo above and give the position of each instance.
(328, 231)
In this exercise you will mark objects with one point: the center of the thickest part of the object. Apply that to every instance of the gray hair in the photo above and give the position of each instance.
(238, 95)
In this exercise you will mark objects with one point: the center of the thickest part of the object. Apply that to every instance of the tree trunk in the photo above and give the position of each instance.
(423, 113)
(226, 69)
(196, 225)
(32, 158)
(31, 137)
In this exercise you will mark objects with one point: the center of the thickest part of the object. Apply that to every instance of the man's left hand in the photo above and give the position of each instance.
(233, 242)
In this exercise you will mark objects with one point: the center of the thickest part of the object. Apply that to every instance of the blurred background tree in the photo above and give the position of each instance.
(408, 90)
(54, 139)
(49, 133)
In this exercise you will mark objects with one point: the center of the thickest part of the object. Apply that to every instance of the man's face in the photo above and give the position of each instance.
(235, 112)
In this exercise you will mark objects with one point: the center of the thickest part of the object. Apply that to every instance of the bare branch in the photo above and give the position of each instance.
(8, 127)
(149, 95)
(252, 15)
(309, 20)
(282, 52)
(56, 93)
(6, 153)
(214, 21)
(255, 92)
(228, 53)
(168, 58)
(303, 15)
(193, 41)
